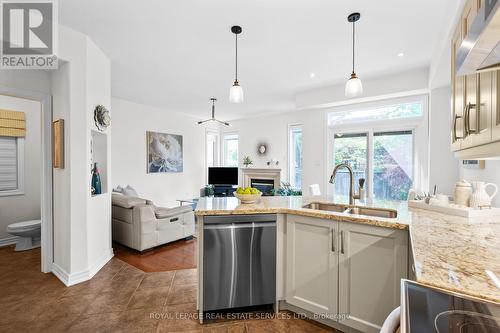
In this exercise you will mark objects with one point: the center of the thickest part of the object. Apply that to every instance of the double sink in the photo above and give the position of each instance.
(354, 210)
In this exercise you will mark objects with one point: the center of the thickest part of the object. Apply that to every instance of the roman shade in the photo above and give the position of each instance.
(12, 123)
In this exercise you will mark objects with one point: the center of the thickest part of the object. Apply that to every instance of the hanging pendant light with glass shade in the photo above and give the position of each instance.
(353, 87)
(236, 92)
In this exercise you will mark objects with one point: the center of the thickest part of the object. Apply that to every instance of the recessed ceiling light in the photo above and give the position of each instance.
(401, 54)
(312, 75)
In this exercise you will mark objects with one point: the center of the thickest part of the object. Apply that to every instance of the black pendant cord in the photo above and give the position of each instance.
(353, 41)
(213, 108)
(236, 70)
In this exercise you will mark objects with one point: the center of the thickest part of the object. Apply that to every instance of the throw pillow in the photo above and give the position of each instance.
(130, 191)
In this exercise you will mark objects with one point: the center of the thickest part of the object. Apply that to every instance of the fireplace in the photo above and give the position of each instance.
(266, 186)
(265, 179)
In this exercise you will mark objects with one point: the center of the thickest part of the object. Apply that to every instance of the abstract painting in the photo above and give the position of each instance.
(164, 152)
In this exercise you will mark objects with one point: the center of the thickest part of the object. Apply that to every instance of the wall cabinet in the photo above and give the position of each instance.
(495, 105)
(475, 128)
(338, 268)
(458, 93)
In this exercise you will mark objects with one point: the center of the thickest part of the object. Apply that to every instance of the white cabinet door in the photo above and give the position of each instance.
(312, 264)
(495, 106)
(372, 262)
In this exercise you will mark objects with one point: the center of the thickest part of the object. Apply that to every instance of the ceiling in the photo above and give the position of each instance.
(176, 54)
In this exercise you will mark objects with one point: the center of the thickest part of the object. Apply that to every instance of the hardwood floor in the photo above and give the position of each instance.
(169, 257)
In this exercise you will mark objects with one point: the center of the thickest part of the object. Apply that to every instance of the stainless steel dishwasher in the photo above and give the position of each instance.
(239, 261)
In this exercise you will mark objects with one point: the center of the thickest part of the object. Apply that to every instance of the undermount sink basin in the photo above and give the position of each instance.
(377, 212)
(356, 210)
(331, 207)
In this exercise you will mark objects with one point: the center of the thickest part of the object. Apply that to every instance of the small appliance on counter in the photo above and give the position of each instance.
(428, 310)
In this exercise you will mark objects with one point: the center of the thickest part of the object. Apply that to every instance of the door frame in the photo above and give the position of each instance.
(46, 205)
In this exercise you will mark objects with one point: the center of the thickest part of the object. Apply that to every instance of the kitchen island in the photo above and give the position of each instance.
(448, 252)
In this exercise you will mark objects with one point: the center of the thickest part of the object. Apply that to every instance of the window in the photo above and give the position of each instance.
(351, 149)
(295, 156)
(396, 111)
(385, 145)
(392, 164)
(212, 152)
(230, 148)
(11, 166)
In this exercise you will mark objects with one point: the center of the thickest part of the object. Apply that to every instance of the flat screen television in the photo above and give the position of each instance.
(223, 176)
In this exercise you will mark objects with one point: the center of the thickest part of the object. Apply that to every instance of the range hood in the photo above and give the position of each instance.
(480, 50)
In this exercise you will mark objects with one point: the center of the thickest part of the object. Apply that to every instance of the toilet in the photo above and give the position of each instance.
(28, 233)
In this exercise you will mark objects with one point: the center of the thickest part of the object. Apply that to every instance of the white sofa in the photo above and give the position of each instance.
(139, 224)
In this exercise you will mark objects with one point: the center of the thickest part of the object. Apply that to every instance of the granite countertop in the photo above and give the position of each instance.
(450, 252)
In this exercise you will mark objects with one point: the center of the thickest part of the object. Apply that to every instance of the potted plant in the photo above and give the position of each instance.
(247, 161)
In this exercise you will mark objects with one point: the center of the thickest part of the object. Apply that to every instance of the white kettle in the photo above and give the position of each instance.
(481, 198)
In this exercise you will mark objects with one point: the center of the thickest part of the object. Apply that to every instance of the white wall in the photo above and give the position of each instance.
(82, 225)
(273, 130)
(26, 206)
(490, 174)
(128, 146)
(99, 207)
(443, 165)
(391, 85)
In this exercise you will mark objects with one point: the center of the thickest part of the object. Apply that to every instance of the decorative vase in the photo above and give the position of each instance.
(96, 181)
(463, 191)
(481, 198)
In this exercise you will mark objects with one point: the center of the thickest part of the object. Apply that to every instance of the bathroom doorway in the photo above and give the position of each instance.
(26, 172)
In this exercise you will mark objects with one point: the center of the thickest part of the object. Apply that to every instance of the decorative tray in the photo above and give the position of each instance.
(456, 210)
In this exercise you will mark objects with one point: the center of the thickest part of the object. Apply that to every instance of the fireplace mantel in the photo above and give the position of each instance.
(261, 173)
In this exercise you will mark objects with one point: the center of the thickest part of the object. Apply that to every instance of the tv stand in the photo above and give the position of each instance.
(224, 190)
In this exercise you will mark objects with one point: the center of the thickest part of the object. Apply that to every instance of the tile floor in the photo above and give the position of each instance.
(120, 298)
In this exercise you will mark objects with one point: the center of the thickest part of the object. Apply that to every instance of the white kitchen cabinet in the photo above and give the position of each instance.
(479, 116)
(475, 127)
(495, 101)
(373, 260)
(341, 268)
(458, 93)
(312, 264)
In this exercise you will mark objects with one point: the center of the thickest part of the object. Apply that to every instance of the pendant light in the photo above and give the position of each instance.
(236, 92)
(213, 115)
(353, 87)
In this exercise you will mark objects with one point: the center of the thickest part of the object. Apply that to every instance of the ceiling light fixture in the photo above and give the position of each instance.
(236, 92)
(312, 75)
(401, 54)
(213, 115)
(353, 87)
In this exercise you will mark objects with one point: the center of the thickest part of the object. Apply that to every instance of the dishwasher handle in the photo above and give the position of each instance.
(237, 225)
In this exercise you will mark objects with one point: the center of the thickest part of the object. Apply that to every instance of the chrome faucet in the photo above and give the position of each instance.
(352, 195)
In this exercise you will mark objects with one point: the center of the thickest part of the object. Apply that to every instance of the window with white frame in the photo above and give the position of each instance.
(295, 156)
(385, 143)
(230, 149)
(212, 146)
(11, 166)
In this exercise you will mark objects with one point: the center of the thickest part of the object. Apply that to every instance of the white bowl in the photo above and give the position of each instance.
(248, 198)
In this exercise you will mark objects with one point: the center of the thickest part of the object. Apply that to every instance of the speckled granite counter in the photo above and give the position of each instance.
(450, 252)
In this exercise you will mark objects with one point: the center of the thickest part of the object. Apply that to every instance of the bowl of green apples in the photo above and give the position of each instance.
(247, 195)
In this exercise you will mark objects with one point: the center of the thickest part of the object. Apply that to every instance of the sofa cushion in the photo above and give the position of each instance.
(162, 213)
(125, 201)
(122, 214)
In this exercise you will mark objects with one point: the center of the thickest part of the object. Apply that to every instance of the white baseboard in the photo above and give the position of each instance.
(78, 277)
(8, 241)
